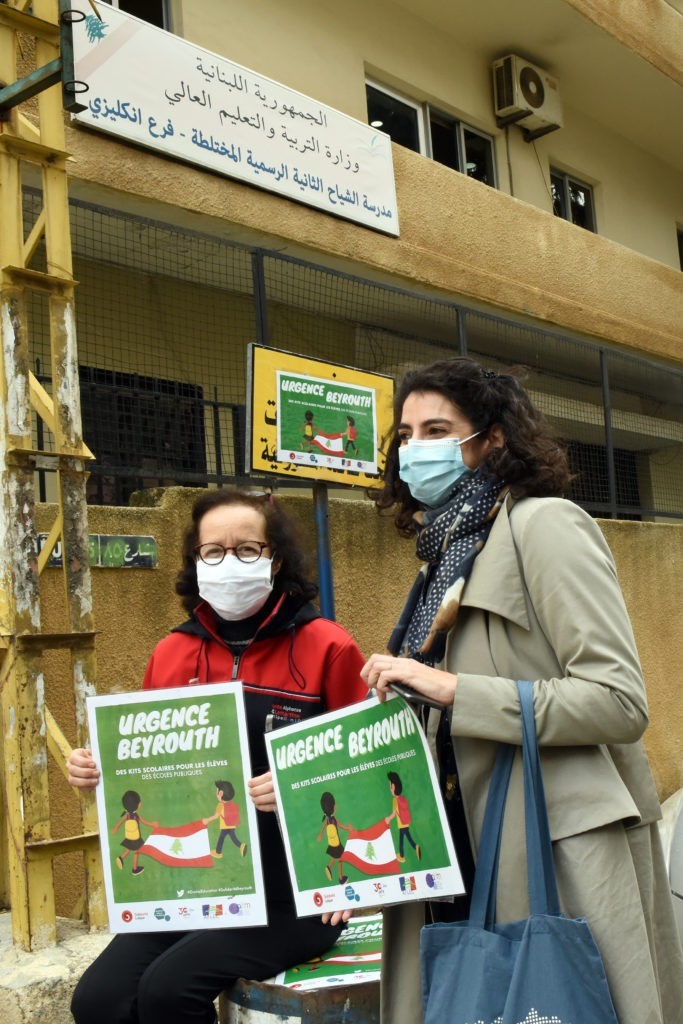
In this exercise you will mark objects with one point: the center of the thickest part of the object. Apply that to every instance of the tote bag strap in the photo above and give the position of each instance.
(543, 897)
(483, 902)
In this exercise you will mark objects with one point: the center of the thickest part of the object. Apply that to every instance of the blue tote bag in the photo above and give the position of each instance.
(543, 970)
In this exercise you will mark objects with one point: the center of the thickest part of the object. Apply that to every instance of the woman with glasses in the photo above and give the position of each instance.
(518, 583)
(245, 584)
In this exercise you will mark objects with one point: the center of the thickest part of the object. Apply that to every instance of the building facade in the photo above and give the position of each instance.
(551, 241)
(556, 248)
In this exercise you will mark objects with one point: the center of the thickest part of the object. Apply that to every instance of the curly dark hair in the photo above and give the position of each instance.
(531, 461)
(283, 535)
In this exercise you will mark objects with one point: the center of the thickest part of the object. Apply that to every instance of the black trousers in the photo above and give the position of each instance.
(174, 977)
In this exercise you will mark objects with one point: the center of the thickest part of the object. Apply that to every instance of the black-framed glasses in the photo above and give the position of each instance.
(213, 553)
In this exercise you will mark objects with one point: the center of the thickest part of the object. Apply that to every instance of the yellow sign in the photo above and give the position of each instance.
(315, 420)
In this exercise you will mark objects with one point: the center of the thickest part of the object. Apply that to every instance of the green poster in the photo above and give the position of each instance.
(360, 809)
(355, 957)
(178, 831)
(326, 423)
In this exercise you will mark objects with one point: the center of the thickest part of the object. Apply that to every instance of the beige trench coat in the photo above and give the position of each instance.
(543, 603)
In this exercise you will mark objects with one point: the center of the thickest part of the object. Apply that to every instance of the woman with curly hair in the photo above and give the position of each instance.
(245, 584)
(518, 583)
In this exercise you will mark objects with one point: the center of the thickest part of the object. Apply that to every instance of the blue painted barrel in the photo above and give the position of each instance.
(254, 1002)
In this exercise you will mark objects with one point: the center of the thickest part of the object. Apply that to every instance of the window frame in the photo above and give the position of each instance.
(462, 128)
(165, 13)
(408, 102)
(424, 112)
(567, 179)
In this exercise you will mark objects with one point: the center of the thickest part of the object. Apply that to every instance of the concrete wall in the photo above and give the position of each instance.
(458, 238)
(373, 569)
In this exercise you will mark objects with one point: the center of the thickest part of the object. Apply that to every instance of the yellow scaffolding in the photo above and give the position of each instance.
(29, 730)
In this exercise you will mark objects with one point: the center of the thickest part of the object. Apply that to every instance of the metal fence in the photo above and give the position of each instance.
(164, 316)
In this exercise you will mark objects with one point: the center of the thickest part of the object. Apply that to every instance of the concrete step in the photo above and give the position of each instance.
(38, 986)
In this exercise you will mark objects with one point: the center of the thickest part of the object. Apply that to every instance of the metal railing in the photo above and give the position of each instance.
(164, 316)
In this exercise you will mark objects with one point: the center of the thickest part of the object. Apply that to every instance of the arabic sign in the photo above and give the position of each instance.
(355, 957)
(153, 88)
(178, 833)
(320, 421)
(360, 810)
(111, 551)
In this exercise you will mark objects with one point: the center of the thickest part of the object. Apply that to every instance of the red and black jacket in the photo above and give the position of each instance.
(296, 666)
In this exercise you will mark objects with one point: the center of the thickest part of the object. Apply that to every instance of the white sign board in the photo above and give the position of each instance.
(157, 90)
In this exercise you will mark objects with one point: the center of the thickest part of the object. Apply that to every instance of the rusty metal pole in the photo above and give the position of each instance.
(30, 731)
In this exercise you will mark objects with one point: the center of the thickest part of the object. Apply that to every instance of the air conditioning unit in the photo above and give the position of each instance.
(527, 95)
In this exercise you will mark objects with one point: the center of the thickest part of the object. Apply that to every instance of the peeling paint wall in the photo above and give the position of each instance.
(373, 568)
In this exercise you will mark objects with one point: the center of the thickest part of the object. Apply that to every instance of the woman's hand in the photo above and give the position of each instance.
(83, 772)
(262, 792)
(381, 670)
(337, 917)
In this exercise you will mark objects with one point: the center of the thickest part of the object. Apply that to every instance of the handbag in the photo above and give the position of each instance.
(543, 970)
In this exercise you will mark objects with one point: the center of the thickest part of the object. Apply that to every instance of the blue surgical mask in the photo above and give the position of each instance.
(431, 469)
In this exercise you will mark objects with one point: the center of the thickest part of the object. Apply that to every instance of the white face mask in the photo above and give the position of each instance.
(234, 589)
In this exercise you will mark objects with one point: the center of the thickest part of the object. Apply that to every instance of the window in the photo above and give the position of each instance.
(421, 128)
(572, 199)
(144, 431)
(400, 119)
(153, 11)
(590, 488)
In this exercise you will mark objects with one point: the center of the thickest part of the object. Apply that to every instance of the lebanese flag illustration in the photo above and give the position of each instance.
(371, 850)
(355, 958)
(331, 444)
(180, 846)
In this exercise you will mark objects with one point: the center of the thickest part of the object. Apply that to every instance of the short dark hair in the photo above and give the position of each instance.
(532, 461)
(226, 788)
(283, 535)
(395, 781)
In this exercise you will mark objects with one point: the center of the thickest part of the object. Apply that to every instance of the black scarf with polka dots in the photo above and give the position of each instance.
(450, 538)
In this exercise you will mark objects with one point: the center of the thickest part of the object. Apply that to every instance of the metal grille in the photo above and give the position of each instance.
(349, 320)
(164, 316)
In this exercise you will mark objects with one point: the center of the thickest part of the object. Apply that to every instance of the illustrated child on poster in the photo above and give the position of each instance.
(350, 434)
(132, 840)
(228, 814)
(308, 429)
(331, 826)
(401, 811)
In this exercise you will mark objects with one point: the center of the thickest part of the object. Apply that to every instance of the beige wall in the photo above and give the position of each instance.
(373, 569)
(458, 237)
(649, 561)
(637, 198)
